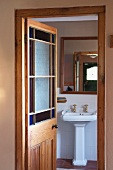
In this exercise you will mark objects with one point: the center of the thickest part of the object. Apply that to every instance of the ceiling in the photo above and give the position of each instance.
(75, 18)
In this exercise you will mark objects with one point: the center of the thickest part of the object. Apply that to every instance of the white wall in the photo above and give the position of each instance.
(65, 136)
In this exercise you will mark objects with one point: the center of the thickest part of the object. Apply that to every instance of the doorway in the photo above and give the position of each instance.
(20, 105)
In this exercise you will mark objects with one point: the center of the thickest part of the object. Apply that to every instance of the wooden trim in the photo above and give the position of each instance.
(87, 53)
(68, 83)
(33, 39)
(27, 141)
(41, 26)
(19, 115)
(111, 41)
(55, 66)
(19, 101)
(74, 73)
(101, 92)
(72, 92)
(80, 38)
(59, 12)
(62, 64)
(50, 71)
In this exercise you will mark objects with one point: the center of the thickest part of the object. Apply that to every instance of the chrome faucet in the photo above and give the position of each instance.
(86, 108)
(74, 110)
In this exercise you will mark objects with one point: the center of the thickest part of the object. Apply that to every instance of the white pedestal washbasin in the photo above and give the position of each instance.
(79, 120)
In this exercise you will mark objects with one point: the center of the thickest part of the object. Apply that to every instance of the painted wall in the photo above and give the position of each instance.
(7, 74)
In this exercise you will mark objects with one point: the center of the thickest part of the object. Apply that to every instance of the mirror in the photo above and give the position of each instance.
(79, 70)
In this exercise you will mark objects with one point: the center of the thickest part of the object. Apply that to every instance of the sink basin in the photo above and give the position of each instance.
(79, 120)
(68, 115)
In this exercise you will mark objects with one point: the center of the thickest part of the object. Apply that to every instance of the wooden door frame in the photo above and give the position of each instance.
(20, 66)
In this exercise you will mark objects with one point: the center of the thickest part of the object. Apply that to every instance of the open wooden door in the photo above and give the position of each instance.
(40, 96)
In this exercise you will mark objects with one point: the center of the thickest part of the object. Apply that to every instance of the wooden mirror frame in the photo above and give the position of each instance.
(62, 39)
(22, 14)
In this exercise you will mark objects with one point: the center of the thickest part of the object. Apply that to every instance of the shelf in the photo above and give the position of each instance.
(61, 100)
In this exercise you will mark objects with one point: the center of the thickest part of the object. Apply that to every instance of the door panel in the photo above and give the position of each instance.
(43, 146)
(42, 155)
(41, 132)
(40, 95)
(35, 157)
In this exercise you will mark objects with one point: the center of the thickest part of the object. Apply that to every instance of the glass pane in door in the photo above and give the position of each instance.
(41, 94)
(41, 60)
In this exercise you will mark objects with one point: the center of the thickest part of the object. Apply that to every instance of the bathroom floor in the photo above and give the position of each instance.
(67, 163)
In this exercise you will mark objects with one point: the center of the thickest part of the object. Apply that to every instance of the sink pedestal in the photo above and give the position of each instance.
(79, 120)
(79, 148)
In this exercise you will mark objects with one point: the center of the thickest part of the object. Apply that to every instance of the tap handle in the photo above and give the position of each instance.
(74, 107)
(86, 107)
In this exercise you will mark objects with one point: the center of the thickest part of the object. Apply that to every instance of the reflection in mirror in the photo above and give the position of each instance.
(85, 71)
(79, 57)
